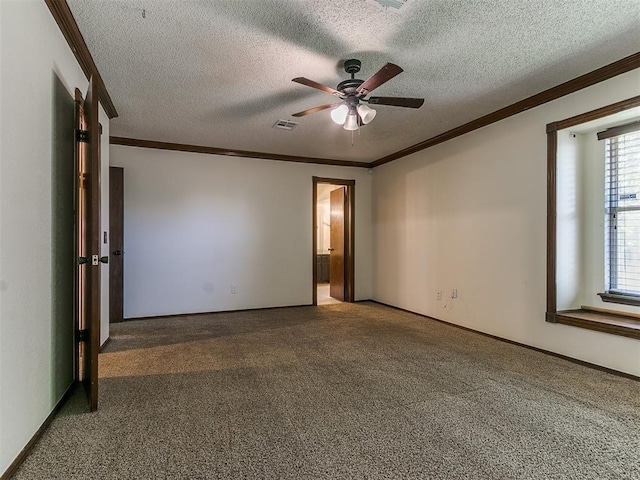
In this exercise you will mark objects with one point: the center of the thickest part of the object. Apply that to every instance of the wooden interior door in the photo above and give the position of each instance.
(88, 243)
(116, 243)
(337, 250)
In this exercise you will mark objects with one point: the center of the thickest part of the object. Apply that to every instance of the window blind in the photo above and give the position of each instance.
(622, 212)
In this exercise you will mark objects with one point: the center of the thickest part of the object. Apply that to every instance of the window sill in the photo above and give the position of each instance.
(614, 324)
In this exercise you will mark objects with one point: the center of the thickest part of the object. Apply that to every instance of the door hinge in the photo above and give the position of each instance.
(82, 136)
(81, 335)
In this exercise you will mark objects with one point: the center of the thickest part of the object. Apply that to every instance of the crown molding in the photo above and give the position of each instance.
(62, 14)
(64, 18)
(181, 147)
(601, 74)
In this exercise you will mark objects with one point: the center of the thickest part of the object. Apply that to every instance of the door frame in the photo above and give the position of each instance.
(349, 235)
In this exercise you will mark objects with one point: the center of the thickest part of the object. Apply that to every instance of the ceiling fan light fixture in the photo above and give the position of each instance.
(339, 115)
(352, 121)
(366, 113)
(350, 113)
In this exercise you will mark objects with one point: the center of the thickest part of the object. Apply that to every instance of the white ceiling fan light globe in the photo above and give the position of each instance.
(339, 115)
(352, 122)
(366, 113)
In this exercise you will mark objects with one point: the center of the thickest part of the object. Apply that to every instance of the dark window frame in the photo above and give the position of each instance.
(603, 321)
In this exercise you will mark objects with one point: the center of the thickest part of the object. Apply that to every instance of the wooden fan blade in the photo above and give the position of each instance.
(312, 84)
(383, 75)
(314, 109)
(397, 101)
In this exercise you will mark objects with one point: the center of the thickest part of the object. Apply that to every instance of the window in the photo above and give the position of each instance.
(580, 252)
(622, 216)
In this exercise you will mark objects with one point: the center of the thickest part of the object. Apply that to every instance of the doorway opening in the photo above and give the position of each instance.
(333, 240)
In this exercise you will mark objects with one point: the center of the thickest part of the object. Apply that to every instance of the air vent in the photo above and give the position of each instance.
(392, 5)
(285, 124)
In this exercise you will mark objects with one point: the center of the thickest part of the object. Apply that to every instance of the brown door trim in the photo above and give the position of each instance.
(350, 208)
(94, 243)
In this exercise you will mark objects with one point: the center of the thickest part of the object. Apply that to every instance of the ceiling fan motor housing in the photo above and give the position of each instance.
(348, 87)
(352, 66)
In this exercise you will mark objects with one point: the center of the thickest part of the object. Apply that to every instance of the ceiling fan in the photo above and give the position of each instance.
(351, 111)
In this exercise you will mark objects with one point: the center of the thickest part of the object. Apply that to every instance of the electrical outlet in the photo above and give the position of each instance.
(454, 293)
(234, 290)
(439, 295)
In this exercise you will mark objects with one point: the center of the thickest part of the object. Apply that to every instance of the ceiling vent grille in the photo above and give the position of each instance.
(392, 5)
(285, 124)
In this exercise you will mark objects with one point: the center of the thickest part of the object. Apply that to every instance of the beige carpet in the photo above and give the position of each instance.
(339, 391)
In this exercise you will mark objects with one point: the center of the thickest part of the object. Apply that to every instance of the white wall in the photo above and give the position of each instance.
(471, 214)
(593, 219)
(195, 225)
(570, 214)
(32, 51)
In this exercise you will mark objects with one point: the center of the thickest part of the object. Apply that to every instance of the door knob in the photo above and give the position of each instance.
(331, 249)
(118, 252)
(104, 259)
(82, 260)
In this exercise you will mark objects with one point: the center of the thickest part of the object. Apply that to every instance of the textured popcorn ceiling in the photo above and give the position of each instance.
(218, 73)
